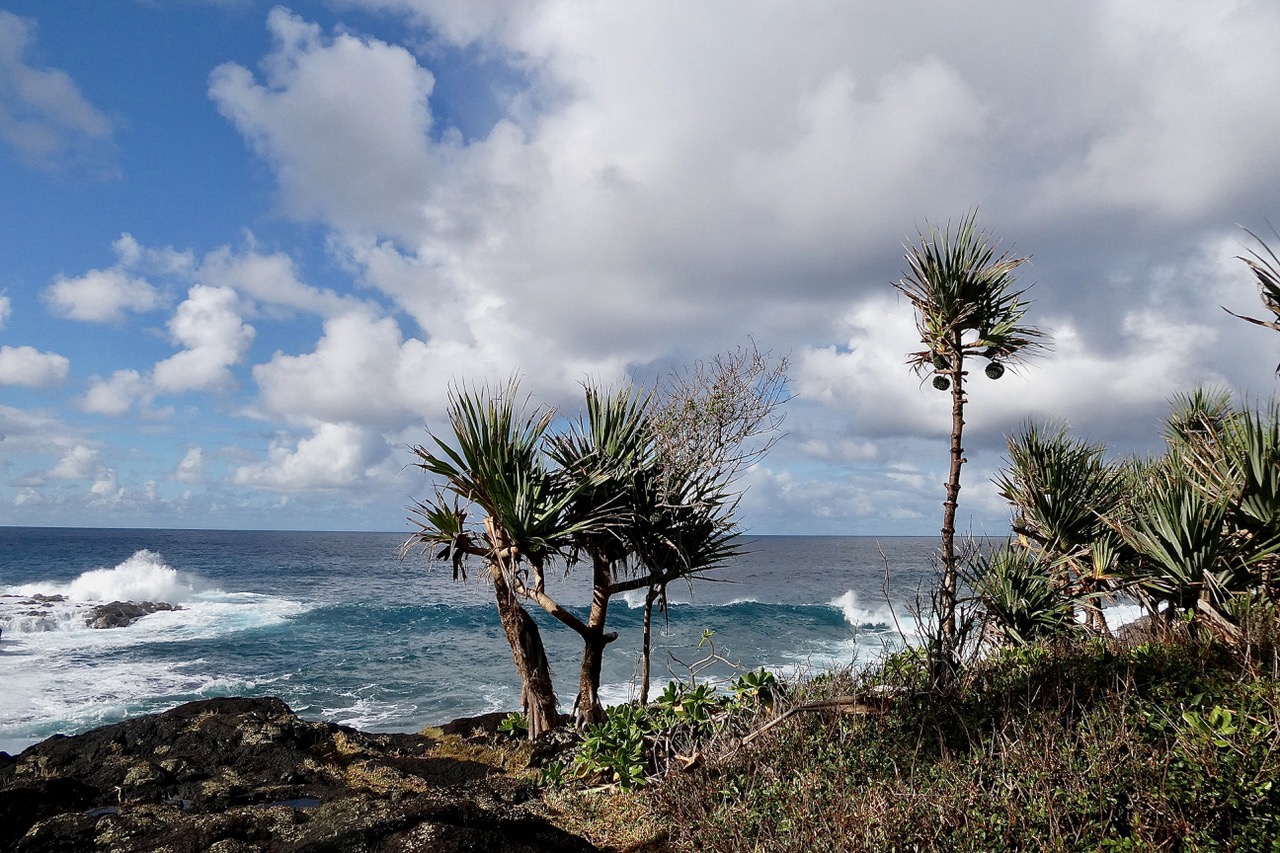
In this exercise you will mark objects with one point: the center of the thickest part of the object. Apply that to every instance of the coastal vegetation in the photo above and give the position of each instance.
(1026, 720)
(1056, 732)
(641, 486)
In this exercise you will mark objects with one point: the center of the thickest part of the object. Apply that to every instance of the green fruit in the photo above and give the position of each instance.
(995, 370)
(940, 361)
(942, 383)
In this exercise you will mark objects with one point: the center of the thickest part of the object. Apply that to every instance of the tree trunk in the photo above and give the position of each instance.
(947, 656)
(587, 706)
(646, 643)
(537, 695)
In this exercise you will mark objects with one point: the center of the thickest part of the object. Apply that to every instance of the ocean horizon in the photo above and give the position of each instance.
(343, 630)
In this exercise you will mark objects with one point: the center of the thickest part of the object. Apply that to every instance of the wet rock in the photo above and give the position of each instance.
(121, 614)
(238, 775)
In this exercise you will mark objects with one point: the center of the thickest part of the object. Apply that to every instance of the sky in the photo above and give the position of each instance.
(246, 249)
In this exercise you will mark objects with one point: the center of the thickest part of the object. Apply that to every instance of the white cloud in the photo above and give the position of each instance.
(344, 121)
(668, 178)
(1188, 134)
(6, 309)
(101, 296)
(104, 295)
(335, 456)
(78, 463)
(192, 467)
(116, 395)
(30, 367)
(271, 279)
(362, 371)
(27, 435)
(43, 115)
(208, 325)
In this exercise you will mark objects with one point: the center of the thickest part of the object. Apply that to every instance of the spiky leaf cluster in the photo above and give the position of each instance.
(966, 300)
(1195, 531)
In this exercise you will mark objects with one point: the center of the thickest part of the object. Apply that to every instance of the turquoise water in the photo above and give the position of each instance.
(343, 630)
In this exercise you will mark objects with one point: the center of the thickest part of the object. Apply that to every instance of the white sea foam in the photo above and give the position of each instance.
(47, 694)
(1122, 614)
(863, 618)
(368, 711)
(143, 577)
(61, 675)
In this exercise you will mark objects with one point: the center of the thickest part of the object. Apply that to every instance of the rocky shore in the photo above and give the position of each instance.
(238, 775)
(47, 609)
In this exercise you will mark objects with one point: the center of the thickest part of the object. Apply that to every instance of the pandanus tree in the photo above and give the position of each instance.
(495, 467)
(1265, 266)
(644, 502)
(609, 455)
(1205, 518)
(683, 528)
(660, 472)
(966, 306)
(1062, 489)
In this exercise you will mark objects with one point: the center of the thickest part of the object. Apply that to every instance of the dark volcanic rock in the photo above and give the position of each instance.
(240, 775)
(119, 614)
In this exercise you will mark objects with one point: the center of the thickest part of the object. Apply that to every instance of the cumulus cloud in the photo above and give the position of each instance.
(362, 370)
(269, 279)
(1188, 135)
(666, 179)
(115, 395)
(43, 115)
(28, 366)
(192, 467)
(78, 463)
(104, 295)
(6, 308)
(101, 296)
(335, 456)
(208, 325)
(344, 121)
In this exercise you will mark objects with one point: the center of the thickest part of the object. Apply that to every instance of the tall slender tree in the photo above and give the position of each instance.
(967, 306)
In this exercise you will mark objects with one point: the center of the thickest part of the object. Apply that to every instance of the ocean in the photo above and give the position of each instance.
(344, 630)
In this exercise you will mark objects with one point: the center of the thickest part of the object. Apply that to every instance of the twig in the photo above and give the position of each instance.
(861, 705)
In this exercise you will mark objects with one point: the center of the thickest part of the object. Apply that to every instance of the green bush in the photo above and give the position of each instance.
(1066, 746)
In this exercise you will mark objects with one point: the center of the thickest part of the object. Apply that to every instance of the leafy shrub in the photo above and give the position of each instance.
(514, 725)
(1068, 746)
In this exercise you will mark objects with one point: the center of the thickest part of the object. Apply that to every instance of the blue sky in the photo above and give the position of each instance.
(247, 247)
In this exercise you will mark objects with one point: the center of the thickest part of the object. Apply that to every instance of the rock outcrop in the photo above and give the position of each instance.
(239, 775)
(121, 614)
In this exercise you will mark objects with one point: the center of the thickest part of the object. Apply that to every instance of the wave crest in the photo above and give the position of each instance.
(145, 576)
(862, 617)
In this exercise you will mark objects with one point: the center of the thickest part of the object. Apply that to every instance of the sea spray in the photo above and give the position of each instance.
(145, 576)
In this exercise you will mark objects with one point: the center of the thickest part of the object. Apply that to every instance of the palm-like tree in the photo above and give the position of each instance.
(495, 466)
(1205, 519)
(1265, 266)
(608, 454)
(966, 305)
(1062, 488)
(657, 519)
(682, 528)
(646, 496)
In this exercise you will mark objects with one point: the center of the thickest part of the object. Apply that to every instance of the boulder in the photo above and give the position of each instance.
(239, 775)
(121, 614)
